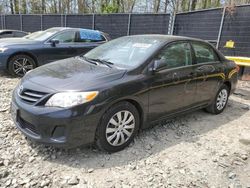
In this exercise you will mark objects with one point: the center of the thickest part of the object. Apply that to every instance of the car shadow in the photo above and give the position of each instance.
(188, 128)
(4, 74)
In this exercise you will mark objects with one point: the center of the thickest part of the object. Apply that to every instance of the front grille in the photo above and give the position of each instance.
(31, 96)
(26, 125)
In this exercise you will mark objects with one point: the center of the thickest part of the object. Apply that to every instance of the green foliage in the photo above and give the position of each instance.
(110, 9)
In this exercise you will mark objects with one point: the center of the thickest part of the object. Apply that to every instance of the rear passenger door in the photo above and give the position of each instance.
(208, 71)
(86, 40)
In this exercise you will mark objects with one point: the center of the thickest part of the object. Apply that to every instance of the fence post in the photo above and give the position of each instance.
(21, 21)
(2, 21)
(65, 20)
(129, 23)
(41, 22)
(221, 27)
(61, 20)
(93, 21)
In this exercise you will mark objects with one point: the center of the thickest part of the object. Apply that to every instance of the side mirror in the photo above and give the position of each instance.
(159, 64)
(54, 42)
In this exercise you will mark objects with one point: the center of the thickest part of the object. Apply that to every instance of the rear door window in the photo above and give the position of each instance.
(204, 53)
(85, 35)
(19, 34)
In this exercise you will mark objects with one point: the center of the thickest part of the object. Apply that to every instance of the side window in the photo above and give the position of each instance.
(176, 55)
(66, 37)
(85, 35)
(204, 53)
(7, 33)
(19, 34)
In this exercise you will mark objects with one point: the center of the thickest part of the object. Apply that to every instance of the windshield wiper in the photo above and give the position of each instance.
(105, 62)
(100, 61)
(89, 60)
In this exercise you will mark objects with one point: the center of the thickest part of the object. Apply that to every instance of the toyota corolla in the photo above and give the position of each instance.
(107, 95)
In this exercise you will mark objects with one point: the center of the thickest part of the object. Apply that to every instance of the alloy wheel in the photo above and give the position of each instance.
(22, 65)
(120, 128)
(221, 99)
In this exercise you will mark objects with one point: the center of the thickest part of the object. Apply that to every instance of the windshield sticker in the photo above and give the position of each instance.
(142, 45)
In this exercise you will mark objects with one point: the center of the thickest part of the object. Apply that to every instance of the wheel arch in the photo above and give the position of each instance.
(228, 84)
(135, 103)
(22, 53)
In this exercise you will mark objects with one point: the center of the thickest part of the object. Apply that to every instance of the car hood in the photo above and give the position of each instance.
(72, 74)
(15, 41)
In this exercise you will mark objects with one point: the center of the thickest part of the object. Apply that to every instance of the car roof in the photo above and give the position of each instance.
(165, 38)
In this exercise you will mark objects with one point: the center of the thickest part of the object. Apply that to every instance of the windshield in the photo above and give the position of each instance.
(41, 35)
(125, 51)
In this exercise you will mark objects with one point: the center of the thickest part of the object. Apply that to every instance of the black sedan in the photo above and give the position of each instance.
(120, 87)
(20, 55)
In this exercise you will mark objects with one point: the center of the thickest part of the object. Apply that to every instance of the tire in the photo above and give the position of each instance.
(18, 65)
(110, 128)
(220, 101)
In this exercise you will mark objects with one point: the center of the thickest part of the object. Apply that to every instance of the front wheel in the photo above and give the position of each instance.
(220, 101)
(118, 127)
(19, 65)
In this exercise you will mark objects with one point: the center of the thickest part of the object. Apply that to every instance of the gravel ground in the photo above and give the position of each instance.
(195, 150)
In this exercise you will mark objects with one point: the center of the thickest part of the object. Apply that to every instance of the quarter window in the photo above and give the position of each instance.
(176, 55)
(66, 37)
(204, 53)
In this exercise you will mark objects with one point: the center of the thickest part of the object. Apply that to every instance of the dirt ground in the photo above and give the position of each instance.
(195, 150)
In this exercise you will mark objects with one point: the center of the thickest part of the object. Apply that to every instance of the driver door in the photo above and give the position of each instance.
(64, 49)
(173, 88)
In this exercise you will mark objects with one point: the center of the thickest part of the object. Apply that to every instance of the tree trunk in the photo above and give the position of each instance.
(24, 7)
(43, 7)
(11, 7)
(166, 6)
(156, 6)
(16, 6)
(193, 5)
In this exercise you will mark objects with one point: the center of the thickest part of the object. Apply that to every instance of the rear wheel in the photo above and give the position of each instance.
(220, 101)
(117, 127)
(19, 65)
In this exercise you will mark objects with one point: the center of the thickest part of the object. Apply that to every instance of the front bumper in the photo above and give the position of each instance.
(58, 127)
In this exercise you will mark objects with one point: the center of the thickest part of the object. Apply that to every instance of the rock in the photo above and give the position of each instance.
(182, 171)
(148, 147)
(24, 181)
(231, 175)
(245, 139)
(3, 173)
(150, 179)
(6, 162)
(73, 180)
(45, 183)
(244, 157)
(53, 157)
(90, 170)
(246, 107)
(31, 159)
(8, 182)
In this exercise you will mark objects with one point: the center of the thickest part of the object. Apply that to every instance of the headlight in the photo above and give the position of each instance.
(3, 49)
(69, 99)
